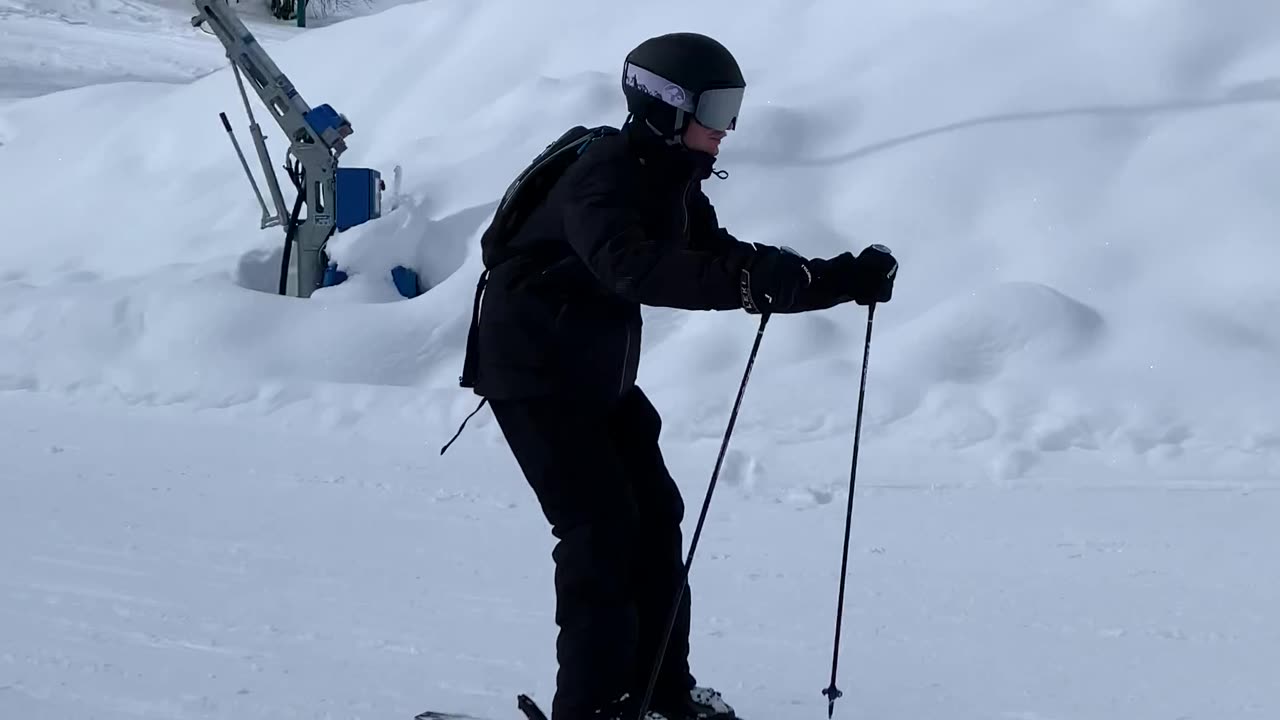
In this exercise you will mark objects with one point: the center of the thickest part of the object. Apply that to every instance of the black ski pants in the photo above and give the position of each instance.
(615, 512)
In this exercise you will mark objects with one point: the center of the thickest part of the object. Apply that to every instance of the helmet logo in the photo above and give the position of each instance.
(655, 85)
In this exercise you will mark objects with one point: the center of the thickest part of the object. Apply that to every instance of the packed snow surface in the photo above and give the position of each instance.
(219, 502)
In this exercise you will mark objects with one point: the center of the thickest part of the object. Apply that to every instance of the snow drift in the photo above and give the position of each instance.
(1080, 196)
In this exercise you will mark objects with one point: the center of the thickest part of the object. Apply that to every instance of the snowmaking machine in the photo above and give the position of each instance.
(337, 198)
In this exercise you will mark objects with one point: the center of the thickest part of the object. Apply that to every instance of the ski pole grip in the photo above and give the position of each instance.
(225, 122)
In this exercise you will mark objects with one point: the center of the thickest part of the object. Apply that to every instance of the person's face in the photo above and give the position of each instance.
(697, 137)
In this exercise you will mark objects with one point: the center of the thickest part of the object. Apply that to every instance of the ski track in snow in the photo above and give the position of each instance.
(218, 503)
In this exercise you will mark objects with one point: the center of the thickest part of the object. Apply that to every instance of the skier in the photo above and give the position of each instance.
(558, 346)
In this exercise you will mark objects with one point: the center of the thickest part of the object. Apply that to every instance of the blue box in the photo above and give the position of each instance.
(357, 195)
(323, 117)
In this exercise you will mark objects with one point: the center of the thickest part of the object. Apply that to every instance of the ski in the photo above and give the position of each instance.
(524, 702)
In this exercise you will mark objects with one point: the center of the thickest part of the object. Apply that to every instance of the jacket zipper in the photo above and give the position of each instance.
(684, 230)
(626, 360)
(684, 207)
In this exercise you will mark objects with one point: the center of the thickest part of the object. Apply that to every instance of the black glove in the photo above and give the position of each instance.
(774, 280)
(874, 272)
(864, 279)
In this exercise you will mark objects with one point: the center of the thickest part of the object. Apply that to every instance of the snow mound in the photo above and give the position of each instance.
(1084, 232)
(974, 338)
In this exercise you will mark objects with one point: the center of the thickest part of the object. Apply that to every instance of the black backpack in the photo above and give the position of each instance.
(522, 197)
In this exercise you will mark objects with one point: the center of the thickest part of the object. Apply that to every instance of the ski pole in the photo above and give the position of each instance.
(832, 692)
(702, 517)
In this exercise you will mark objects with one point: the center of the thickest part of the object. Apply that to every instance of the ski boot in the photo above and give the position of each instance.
(701, 703)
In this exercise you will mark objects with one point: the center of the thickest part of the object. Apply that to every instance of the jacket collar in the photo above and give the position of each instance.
(673, 160)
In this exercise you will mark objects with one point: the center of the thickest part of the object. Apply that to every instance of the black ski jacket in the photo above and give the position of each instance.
(626, 225)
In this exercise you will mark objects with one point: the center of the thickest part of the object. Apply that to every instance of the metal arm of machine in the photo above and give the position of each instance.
(336, 199)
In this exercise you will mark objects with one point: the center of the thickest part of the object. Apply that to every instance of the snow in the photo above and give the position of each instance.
(164, 565)
(219, 502)
(60, 44)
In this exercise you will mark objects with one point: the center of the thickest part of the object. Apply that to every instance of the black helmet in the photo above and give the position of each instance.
(671, 78)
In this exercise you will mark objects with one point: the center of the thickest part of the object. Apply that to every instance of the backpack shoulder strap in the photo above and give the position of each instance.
(530, 188)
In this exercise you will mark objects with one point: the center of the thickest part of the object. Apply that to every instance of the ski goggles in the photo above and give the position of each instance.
(716, 108)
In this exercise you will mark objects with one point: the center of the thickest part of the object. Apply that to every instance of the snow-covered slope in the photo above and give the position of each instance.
(51, 45)
(159, 565)
(1083, 199)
